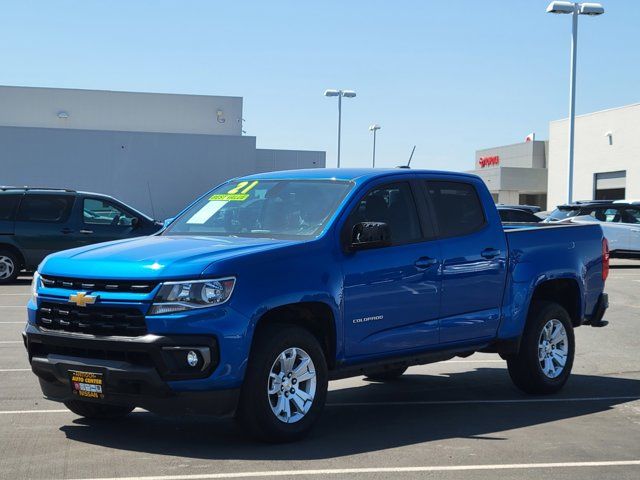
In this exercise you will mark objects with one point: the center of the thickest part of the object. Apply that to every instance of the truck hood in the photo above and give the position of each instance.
(155, 257)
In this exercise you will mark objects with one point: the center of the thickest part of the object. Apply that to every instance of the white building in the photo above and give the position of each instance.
(515, 174)
(606, 156)
(157, 152)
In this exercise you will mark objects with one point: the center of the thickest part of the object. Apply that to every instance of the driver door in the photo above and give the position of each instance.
(392, 293)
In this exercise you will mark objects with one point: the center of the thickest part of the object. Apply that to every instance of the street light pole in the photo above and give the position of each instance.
(374, 128)
(572, 101)
(339, 94)
(574, 9)
(339, 124)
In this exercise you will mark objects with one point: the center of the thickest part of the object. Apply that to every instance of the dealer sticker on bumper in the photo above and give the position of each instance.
(87, 384)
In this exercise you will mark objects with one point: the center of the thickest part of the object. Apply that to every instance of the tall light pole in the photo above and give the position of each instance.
(374, 128)
(339, 94)
(574, 9)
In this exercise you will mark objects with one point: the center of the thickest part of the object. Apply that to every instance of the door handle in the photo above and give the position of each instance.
(66, 231)
(425, 262)
(86, 232)
(490, 252)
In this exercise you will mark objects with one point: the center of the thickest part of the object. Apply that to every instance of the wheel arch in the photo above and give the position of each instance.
(16, 251)
(316, 317)
(563, 291)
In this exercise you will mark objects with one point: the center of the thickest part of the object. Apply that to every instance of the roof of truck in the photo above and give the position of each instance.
(348, 174)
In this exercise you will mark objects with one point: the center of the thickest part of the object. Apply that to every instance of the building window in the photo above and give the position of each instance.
(610, 185)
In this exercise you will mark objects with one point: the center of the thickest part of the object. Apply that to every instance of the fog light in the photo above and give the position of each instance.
(192, 358)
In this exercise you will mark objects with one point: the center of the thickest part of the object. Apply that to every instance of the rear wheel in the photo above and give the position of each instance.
(285, 385)
(545, 359)
(387, 375)
(97, 410)
(9, 266)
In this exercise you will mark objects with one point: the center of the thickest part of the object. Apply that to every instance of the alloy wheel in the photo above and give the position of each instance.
(292, 385)
(553, 348)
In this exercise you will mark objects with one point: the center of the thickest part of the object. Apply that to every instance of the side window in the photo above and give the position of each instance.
(457, 207)
(631, 215)
(45, 208)
(102, 212)
(394, 205)
(612, 215)
(8, 204)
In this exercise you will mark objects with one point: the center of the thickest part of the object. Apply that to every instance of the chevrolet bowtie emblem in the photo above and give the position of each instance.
(81, 299)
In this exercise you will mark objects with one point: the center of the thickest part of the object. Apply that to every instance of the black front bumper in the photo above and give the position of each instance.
(135, 370)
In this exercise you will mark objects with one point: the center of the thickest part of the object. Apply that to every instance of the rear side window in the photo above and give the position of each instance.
(457, 207)
(45, 208)
(8, 204)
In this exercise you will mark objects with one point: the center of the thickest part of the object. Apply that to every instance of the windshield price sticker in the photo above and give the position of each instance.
(239, 193)
(229, 197)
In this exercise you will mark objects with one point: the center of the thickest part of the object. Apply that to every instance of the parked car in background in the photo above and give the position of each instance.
(620, 222)
(35, 222)
(514, 214)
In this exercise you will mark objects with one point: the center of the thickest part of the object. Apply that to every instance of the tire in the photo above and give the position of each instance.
(9, 267)
(97, 410)
(387, 375)
(537, 368)
(274, 406)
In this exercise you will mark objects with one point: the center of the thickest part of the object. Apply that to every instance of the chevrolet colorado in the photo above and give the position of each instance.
(269, 286)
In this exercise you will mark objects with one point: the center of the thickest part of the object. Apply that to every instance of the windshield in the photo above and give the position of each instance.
(562, 214)
(287, 209)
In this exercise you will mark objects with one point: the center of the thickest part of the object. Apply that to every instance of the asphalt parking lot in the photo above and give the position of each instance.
(460, 419)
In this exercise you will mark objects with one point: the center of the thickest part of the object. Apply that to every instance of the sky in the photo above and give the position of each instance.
(450, 77)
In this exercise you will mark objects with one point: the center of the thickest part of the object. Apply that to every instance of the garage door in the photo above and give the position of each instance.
(610, 185)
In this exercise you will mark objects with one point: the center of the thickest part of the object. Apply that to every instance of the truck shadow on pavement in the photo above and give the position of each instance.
(456, 405)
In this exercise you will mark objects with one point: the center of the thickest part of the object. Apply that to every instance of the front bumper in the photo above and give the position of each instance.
(136, 371)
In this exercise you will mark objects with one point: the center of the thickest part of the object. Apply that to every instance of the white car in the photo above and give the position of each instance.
(620, 222)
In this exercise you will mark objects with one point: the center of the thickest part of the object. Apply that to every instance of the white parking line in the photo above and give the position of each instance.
(7, 323)
(354, 471)
(5, 370)
(426, 402)
(12, 294)
(482, 402)
(10, 341)
(14, 306)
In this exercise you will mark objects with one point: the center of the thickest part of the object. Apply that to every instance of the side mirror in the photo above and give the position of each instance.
(370, 235)
(135, 222)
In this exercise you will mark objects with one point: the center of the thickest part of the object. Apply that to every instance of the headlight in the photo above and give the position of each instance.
(35, 283)
(180, 296)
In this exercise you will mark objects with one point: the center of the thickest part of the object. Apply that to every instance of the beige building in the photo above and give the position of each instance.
(606, 157)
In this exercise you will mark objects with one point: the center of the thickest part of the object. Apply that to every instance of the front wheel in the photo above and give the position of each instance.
(545, 359)
(285, 385)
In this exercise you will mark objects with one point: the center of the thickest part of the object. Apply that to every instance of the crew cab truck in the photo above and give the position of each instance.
(269, 286)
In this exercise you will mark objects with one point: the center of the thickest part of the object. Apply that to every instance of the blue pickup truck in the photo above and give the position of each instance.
(269, 286)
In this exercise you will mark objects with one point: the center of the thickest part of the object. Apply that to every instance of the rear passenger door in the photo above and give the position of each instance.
(43, 225)
(474, 255)
(392, 293)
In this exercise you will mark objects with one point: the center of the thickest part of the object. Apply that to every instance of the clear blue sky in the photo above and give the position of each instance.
(448, 76)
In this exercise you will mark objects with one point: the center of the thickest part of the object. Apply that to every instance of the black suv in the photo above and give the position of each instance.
(35, 222)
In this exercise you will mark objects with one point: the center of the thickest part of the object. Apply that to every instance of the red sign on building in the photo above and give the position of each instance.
(489, 161)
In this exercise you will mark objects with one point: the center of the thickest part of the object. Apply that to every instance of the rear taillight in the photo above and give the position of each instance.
(605, 259)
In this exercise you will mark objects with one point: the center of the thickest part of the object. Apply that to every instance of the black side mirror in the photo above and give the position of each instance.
(370, 235)
(135, 222)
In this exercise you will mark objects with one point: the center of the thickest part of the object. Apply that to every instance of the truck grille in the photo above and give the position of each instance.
(141, 286)
(123, 322)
